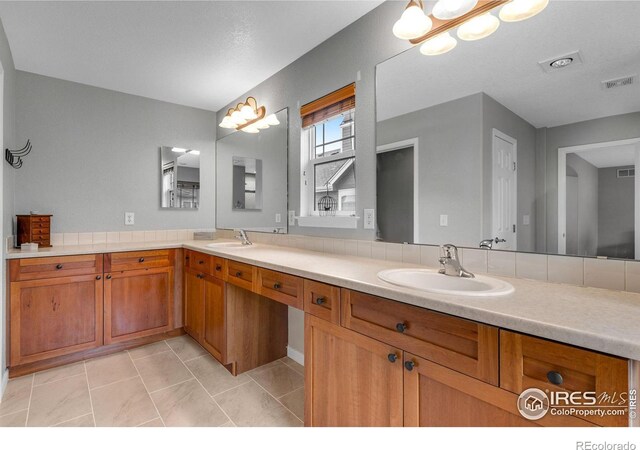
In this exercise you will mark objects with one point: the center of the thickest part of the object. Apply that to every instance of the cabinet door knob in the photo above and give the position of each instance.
(141, 260)
(555, 377)
(187, 258)
(401, 327)
(392, 357)
(59, 266)
(218, 267)
(108, 277)
(201, 262)
(277, 286)
(99, 277)
(409, 365)
(320, 301)
(238, 274)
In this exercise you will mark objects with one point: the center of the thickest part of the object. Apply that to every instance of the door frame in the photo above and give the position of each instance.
(400, 145)
(562, 187)
(495, 133)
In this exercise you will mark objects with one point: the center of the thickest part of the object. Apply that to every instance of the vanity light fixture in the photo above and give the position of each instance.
(248, 117)
(472, 18)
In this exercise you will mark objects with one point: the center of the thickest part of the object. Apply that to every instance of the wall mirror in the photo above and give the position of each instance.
(180, 178)
(527, 140)
(251, 179)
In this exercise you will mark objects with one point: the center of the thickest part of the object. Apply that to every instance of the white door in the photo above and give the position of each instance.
(505, 191)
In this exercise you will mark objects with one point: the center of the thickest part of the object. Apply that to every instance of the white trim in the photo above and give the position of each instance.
(328, 221)
(3, 382)
(413, 142)
(562, 187)
(296, 355)
(637, 205)
(495, 133)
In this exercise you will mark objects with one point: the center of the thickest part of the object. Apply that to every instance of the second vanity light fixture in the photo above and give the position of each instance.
(472, 18)
(249, 117)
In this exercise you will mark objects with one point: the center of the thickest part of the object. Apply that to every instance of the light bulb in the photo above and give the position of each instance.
(413, 23)
(479, 27)
(438, 45)
(450, 9)
(271, 119)
(247, 113)
(179, 150)
(518, 10)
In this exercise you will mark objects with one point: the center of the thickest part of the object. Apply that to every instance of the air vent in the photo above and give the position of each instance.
(620, 82)
(626, 173)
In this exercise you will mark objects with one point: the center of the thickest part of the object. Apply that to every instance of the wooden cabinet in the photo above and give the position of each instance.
(54, 267)
(280, 287)
(194, 304)
(52, 317)
(322, 300)
(214, 313)
(350, 379)
(241, 275)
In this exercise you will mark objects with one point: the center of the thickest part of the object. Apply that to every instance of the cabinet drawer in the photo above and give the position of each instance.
(218, 267)
(58, 266)
(462, 345)
(526, 362)
(240, 274)
(322, 300)
(197, 261)
(283, 288)
(116, 262)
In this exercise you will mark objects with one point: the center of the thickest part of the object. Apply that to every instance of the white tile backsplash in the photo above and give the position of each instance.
(531, 266)
(138, 236)
(351, 247)
(100, 238)
(411, 254)
(378, 250)
(394, 252)
(501, 263)
(632, 275)
(70, 239)
(57, 239)
(126, 236)
(474, 260)
(161, 235)
(364, 249)
(429, 255)
(604, 273)
(85, 238)
(113, 237)
(566, 269)
(172, 235)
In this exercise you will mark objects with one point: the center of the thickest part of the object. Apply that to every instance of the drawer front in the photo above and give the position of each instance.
(527, 362)
(283, 288)
(199, 262)
(148, 259)
(218, 267)
(322, 300)
(240, 274)
(58, 266)
(462, 345)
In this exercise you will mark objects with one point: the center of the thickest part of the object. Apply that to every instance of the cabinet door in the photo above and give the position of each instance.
(350, 379)
(194, 304)
(435, 396)
(138, 303)
(213, 337)
(54, 317)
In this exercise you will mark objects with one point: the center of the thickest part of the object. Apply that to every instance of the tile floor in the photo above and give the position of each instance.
(168, 383)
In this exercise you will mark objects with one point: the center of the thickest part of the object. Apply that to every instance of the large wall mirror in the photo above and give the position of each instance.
(180, 178)
(251, 179)
(495, 145)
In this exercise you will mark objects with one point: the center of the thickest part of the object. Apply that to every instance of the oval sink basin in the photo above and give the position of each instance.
(432, 281)
(223, 245)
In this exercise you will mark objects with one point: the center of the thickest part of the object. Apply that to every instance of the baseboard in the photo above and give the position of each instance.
(4, 380)
(295, 355)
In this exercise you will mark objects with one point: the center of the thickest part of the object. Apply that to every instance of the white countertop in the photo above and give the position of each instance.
(598, 319)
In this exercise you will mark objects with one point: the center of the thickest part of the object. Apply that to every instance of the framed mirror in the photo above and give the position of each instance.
(251, 179)
(180, 178)
(527, 140)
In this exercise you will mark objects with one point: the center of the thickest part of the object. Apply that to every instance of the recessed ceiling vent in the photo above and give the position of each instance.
(620, 82)
(561, 62)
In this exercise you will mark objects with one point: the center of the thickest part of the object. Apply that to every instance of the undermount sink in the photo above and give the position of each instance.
(229, 245)
(432, 281)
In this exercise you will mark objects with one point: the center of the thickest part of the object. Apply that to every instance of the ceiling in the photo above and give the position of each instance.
(189, 159)
(200, 54)
(611, 156)
(505, 67)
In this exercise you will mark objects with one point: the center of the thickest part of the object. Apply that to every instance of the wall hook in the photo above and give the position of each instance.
(14, 157)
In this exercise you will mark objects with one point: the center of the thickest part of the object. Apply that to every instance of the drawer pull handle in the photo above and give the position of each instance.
(201, 262)
(238, 274)
(401, 327)
(322, 301)
(277, 286)
(555, 377)
(141, 260)
(218, 267)
(59, 266)
(108, 277)
(187, 258)
(409, 365)
(99, 277)
(392, 357)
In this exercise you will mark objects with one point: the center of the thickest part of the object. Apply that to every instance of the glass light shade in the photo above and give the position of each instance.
(250, 129)
(179, 150)
(271, 119)
(227, 123)
(518, 10)
(412, 24)
(438, 45)
(261, 124)
(236, 117)
(479, 27)
(450, 9)
(247, 113)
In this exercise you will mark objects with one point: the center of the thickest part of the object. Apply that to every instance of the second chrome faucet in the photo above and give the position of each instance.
(451, 262)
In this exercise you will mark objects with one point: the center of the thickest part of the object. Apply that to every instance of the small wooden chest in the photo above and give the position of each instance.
(35, 228)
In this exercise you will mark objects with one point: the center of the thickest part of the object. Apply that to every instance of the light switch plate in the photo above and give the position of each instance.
(525, 219)
(369, 219)
(292, 218)
(278, 218)
(444, 220)
(129, 218)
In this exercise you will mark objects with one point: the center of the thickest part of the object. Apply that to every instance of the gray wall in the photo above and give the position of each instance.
(189, 174)
(95, 155)
(616, 220)
(587, 175)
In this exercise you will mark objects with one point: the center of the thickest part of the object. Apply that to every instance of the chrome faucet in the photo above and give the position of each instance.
(488, 243)
(451, 263)
(242, 235)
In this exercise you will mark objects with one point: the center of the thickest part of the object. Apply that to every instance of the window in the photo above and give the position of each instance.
(328, 181)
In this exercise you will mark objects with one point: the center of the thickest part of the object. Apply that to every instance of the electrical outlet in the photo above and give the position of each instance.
(369, 219)
(129, 218)
(444, 220)
(292, 218)
(526, 219)
(278, 218)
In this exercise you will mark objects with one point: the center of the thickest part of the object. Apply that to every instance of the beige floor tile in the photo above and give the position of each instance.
(279, 380)
(213, 376)
(294, 402)
(272, 364)
(79, 422)
(162, 370)
(122, 404)
(294, 365)
(250, 405)
(188, 405)
(58, 401)
(186, 348)
(16, 395)
(109, 369)
(59, 373)
(16, 419)
(148, 350)
(152, 423)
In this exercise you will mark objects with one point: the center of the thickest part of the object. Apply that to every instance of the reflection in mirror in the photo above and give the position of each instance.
(251, 179)
(495, 145)
(247, 183)
(180, 171)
